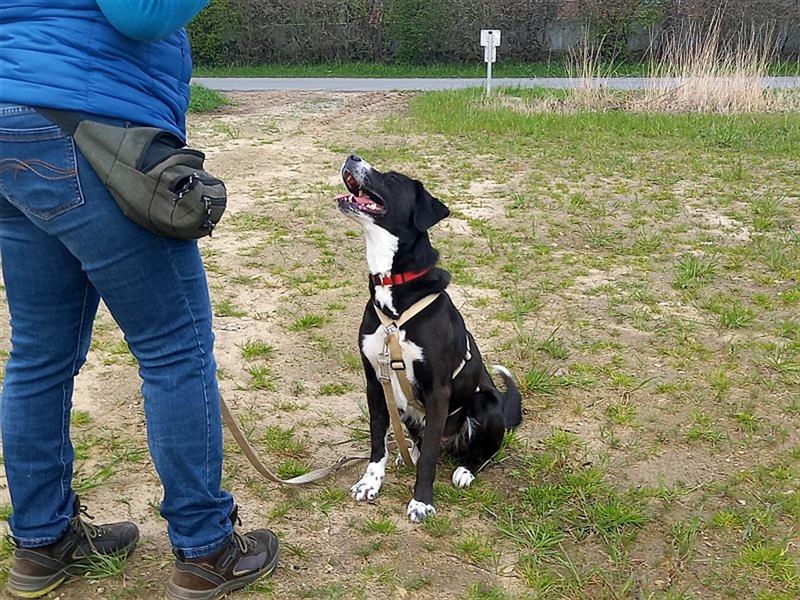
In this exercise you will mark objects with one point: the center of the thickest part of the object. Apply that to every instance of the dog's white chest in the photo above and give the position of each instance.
(373, 345)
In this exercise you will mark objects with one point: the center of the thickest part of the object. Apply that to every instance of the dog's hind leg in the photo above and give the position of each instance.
(482, 437)
(369, 485)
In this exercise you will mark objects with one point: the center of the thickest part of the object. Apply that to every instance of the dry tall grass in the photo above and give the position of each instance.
(587, 70)
(696, 72)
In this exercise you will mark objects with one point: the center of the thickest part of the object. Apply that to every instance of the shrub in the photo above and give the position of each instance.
(415, 27)
(214, 33)
(296, 31)
(614, 22)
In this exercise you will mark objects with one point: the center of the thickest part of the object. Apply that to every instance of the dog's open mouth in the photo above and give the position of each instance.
(359, 199)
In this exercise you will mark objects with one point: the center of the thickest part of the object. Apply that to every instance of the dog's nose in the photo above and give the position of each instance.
(355, 158)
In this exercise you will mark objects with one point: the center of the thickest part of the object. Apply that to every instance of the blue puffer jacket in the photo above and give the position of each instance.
(66, 54)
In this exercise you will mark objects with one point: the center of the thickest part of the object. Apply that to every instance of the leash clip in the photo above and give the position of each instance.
(384, 362)
(384, 368)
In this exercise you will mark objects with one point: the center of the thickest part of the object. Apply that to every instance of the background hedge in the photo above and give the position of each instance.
(418, 31)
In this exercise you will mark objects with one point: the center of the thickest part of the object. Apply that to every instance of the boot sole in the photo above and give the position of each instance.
(176, 592)
(27, 586)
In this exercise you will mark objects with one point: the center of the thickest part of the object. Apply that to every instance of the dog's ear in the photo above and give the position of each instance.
(429, 210)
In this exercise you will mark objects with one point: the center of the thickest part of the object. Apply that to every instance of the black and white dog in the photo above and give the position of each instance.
(464, 412)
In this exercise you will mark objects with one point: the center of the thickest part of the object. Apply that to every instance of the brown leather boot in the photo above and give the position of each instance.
(38, 571)
(242, 560)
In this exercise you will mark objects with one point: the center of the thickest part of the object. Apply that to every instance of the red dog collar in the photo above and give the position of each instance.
(398, 279)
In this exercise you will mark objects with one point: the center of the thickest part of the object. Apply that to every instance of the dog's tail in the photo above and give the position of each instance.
(512, 399)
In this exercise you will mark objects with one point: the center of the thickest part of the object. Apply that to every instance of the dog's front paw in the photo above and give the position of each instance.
(366, 489)
(462, 477)
(419, 511)
(369, 485)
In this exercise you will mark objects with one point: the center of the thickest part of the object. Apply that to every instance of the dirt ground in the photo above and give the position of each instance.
(274, 152)
(617, 360)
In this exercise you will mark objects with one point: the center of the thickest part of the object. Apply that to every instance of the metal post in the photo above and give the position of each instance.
(490, 39)
(489, 65)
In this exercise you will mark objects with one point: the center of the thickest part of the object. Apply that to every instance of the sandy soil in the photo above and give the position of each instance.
(279, 154)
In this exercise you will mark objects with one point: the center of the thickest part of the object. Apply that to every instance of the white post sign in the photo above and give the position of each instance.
(490, 40)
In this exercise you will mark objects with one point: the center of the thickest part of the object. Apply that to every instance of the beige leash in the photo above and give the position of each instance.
(251, 455)
(393, 355)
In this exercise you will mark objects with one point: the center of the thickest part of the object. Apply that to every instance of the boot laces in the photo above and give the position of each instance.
(244, 542)
(89, 530)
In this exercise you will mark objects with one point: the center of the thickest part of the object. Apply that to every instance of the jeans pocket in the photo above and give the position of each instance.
(38, 171)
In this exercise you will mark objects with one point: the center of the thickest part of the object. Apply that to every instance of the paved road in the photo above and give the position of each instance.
(340, 84)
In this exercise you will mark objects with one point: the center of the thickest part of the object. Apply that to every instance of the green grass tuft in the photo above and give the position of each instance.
(335, 388)
(226, 308)
(692, 271)
(380, 526)
(291, 468)
(254, 349)
(307, 322)
(262, 378)
(283, 441)
(202, 99)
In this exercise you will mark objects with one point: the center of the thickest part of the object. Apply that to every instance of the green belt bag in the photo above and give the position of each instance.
(157, 182)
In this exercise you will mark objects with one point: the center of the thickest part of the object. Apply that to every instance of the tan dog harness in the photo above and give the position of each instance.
(391, 360)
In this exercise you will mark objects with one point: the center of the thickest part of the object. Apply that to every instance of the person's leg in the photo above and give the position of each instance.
(156, 290)
(52, 306)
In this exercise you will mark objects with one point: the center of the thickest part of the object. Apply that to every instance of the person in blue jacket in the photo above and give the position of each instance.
(64, 246)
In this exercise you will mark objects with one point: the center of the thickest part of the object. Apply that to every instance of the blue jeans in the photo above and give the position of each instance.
(64, 245)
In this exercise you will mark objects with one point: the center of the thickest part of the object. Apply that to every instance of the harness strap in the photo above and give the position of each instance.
(467, 358)
(411, 312)
(398, 365)
(393, 358)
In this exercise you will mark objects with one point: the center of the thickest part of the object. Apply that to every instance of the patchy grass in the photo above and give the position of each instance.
(226, 308)
(262, 377)
(307, 322)
(255, 349)
(202, 99)
(692, 271)
(673, 317)
(335, 389)
(375, 69)
(380, 526)
(636, 272)
(283, 442)
(291, 468)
